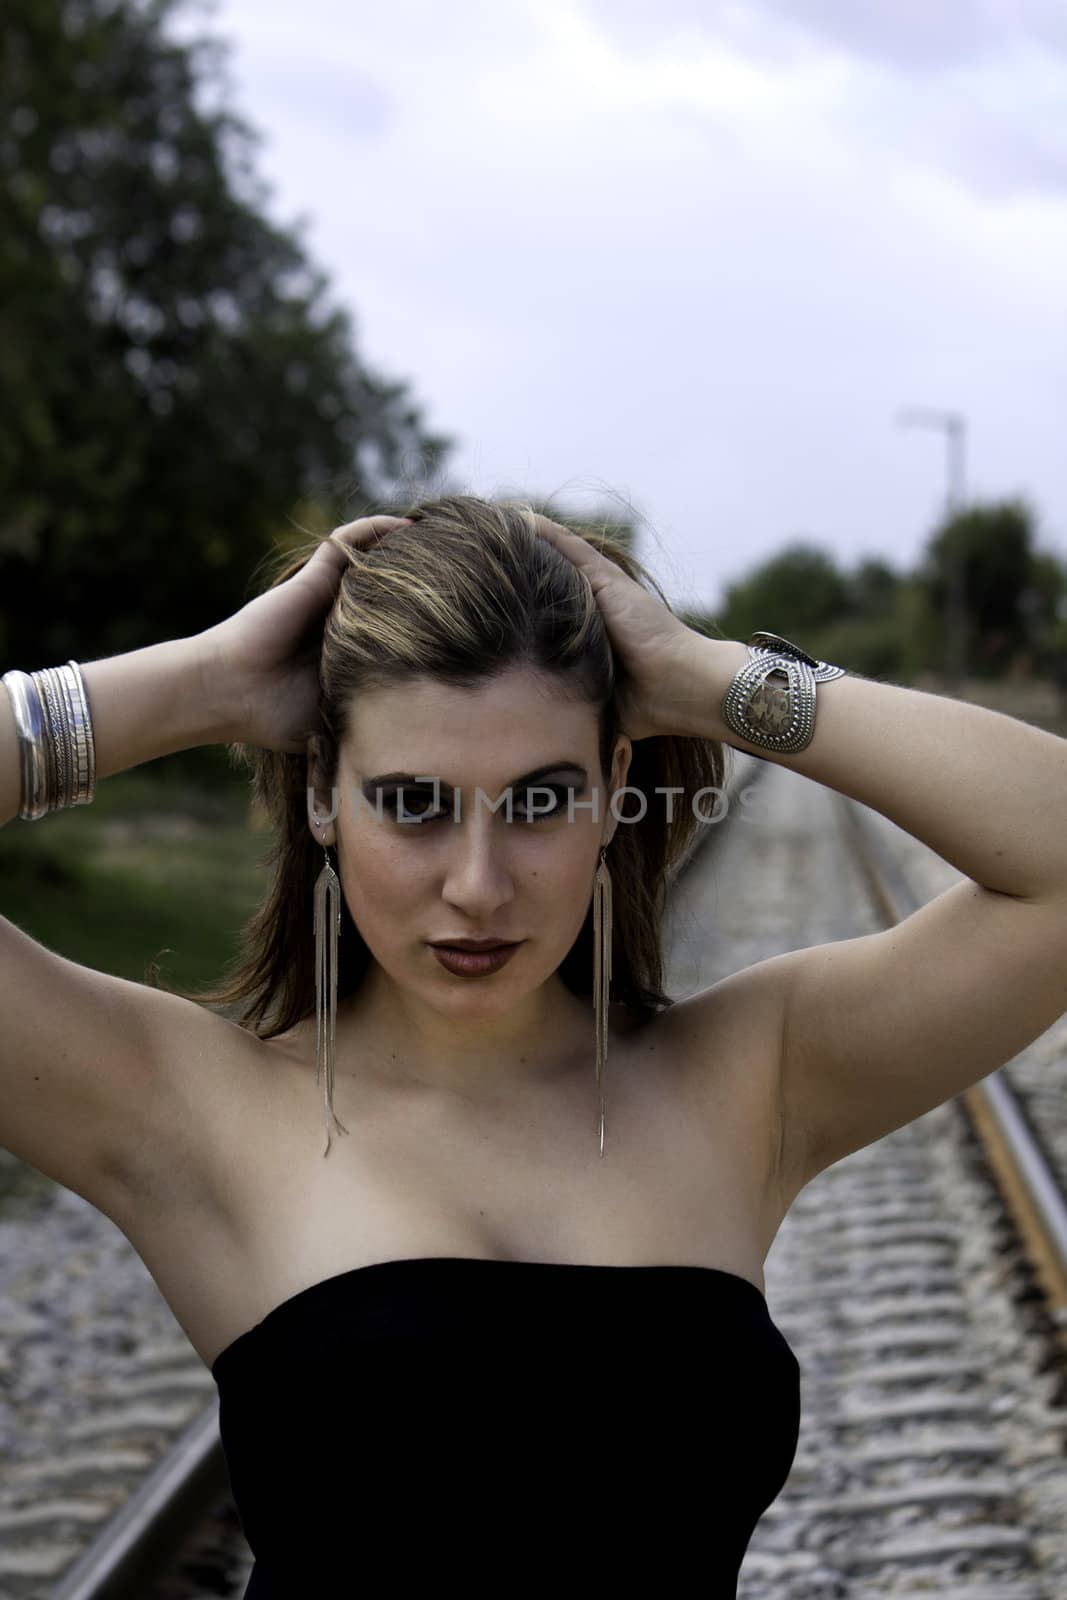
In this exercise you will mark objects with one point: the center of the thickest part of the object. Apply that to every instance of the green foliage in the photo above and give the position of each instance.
(920, 632)
(127, 880)
(884, 624)
(845, 617)
(801, 588)
(1011, 589)
(872, 588)
(176, 381)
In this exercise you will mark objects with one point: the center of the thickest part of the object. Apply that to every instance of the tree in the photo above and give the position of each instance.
(796, 593)
(871, 588)
(1010, 590)
(175, 381)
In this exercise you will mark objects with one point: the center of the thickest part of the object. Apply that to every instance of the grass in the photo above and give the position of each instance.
(159, 866)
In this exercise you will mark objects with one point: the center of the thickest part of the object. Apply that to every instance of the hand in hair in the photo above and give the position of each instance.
(268, 652)
(650, 643)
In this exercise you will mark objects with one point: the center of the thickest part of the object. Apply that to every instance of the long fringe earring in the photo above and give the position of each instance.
(327, 929)
(601, 974)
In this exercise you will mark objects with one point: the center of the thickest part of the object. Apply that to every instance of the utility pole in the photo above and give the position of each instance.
(955, 429)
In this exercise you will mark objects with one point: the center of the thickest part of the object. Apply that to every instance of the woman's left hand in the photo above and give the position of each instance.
(651, 643)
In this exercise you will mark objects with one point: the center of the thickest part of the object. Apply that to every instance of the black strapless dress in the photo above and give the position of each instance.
(499, 1427)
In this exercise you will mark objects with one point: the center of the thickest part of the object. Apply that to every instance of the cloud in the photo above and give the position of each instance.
(976, 92)
(912, 36)
(700, 254)
(918, 36)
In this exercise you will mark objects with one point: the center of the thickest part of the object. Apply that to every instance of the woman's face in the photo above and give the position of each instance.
(467, 871)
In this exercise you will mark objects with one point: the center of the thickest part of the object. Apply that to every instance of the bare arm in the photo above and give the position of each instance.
(984, 790)
(144, 704)
(98, 1075)
(879, 1029)
(82, 1085)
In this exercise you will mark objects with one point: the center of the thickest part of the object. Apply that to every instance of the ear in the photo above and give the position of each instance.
(323, 802)
(621, 759)
(620, 767)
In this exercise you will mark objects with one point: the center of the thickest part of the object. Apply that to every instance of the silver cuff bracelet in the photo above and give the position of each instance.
(779, 716)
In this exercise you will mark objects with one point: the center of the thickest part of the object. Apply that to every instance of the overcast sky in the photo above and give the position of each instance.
(695, 254)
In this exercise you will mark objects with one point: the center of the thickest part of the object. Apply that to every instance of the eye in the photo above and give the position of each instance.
(402, 806)
(408, 806)
(536, 798)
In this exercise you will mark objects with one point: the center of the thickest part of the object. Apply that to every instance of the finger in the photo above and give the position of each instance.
(332, 552)
(579, 551)
(594, 563)
(331, 558)
(365, 529)
(552, 530)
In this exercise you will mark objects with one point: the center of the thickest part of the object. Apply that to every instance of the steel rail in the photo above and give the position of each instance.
(1030, 1189)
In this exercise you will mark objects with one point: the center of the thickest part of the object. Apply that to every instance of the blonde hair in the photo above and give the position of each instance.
(466, 592)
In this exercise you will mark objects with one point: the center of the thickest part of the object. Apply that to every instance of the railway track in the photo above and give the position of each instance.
(922, 1282)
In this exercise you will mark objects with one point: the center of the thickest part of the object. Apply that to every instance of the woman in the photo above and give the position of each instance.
(512, 1330)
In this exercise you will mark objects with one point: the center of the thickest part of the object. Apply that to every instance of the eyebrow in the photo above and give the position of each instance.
(527, 777)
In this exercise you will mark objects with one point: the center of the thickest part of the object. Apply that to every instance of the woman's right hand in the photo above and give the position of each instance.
(263, 662)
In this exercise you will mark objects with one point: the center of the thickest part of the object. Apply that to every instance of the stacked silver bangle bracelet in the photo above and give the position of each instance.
(57, 753)
(778, 716)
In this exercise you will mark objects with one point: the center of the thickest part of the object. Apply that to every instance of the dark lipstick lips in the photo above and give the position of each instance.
(473, 944)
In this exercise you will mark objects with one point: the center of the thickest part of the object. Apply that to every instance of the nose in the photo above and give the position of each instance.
(478, 876)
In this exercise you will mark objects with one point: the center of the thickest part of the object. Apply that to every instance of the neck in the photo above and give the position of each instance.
(544, 1036)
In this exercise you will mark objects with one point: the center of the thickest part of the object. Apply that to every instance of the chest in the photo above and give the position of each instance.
(685, 1177)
